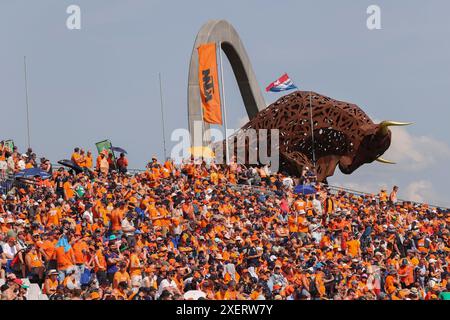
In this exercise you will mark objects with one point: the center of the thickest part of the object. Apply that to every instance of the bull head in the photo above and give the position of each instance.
(375, 142)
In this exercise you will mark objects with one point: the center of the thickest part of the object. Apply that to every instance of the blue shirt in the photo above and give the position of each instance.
(112, 268)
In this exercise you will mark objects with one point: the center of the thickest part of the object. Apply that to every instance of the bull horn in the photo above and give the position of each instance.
(379, 159)
(385, 124)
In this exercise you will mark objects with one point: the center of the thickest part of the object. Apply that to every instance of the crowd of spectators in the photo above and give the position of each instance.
(209, 231)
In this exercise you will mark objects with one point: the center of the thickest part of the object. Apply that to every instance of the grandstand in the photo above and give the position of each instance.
(173, 210)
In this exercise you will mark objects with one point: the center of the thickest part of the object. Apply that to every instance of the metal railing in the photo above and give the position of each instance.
(361, 193)
(6, 183)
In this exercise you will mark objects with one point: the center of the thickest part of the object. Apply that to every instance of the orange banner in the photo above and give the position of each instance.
(209, 83)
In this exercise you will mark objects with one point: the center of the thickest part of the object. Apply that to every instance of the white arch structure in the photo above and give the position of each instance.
(223, 33)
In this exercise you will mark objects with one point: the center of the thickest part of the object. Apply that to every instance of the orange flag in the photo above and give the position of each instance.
(209, 83)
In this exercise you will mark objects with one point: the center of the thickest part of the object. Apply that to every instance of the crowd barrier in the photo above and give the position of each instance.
(361, 193)
(336, 189)
(6, 183)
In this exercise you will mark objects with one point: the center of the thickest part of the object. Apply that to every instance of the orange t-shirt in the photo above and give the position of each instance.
(407, 273)
(390, 284)
(134, 260)
(292, 222)
(35, 262)
(101, 261)
(230, 295)
(49, 248)
(299, 205)
(50, 286)
(302, 227)
(88, 162)
(63, 259)
(68, 189)
(353, 246)
(76, 158)
(54, 215)
(78, 248)
(116, 217)
(120, 277)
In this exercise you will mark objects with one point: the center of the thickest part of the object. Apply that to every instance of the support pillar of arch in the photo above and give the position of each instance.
(221, 31)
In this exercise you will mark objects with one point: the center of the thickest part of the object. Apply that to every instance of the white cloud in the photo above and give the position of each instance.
(420, 191)
(418, 170)
(415, 152)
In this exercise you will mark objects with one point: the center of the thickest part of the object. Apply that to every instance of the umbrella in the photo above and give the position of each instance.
(33, 172)
(305, 189)
(194, 295)
(71, 165)
(199, 152)
(119, 149)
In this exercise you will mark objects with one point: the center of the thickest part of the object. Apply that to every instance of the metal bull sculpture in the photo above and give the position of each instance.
(344, 135)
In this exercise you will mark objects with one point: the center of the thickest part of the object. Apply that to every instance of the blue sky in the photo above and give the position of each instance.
(101, 81)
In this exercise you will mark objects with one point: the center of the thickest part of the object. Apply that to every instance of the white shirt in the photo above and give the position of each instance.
(252, 272)
(315, 233)
(178, 229)
(127, 225)
(288, 182)
(21, 164)
(71, 285)
(89, 216)
(164, 284)
(11, 164)
(317, 206)
(11, 251)
(3, 165)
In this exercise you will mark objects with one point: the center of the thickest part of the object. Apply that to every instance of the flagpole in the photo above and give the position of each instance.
(227, 156)
(26, 100)
(312, 130)
(203, 129)
(162, 115)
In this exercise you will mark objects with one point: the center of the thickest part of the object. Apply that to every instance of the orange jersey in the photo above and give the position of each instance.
(63, 259)
(116, 217)
(80, 256)
(134, 261)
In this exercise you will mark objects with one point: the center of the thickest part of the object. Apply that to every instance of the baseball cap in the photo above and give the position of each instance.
(52, 271)
(20, 283)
